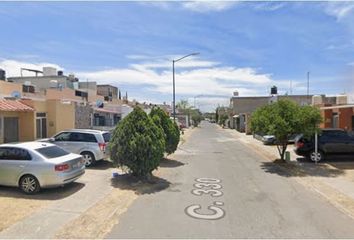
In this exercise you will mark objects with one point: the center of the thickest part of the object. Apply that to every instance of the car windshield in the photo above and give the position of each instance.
(52, 152)
(106, 137)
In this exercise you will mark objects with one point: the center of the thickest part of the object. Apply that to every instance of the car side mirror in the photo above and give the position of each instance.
(51, 139)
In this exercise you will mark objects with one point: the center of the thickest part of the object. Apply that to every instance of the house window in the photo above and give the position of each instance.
(41, 125)
(28, 89)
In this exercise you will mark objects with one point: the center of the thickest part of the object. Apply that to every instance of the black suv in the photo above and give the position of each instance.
(330, 142)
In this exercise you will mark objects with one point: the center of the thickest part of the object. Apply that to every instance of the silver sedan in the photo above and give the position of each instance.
(35, 165)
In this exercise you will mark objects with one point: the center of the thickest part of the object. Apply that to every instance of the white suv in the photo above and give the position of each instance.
(91, 144)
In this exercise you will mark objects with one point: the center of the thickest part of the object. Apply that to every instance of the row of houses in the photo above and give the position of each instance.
(335, 110)
(39, 106)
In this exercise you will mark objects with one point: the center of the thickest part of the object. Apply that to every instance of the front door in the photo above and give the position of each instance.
(11, 129)
(41, 125)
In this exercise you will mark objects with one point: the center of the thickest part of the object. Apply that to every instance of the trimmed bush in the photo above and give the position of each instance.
(170, 129)
(137, 143)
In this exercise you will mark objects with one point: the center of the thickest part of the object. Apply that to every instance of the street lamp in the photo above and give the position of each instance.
(173, 72)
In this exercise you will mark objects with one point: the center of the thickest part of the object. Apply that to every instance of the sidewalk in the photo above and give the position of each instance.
(333, 179)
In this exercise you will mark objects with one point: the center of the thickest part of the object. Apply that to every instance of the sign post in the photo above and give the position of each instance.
(316, 147)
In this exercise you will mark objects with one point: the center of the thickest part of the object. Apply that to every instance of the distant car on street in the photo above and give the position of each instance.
(91, 144)
(35, 165)
(330, 142)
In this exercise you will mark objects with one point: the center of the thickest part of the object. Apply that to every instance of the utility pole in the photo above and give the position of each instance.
(173, 74)
(174, 91)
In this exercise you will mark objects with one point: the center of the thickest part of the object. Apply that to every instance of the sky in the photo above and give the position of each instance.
(243, 46)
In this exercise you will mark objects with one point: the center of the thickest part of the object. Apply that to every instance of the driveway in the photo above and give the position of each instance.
(42, 215)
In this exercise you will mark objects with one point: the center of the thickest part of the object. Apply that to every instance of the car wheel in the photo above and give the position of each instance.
(29, 184)
(89, 158)
(312, 156)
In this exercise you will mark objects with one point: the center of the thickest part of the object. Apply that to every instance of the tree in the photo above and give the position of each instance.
(196, 118)
(170, 129)
(137, 143)
(222, 115)
(192, 113)
(223, 118)
(216, 115)
(283, 119)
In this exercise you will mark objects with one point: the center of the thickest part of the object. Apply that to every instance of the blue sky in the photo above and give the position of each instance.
(243, 46)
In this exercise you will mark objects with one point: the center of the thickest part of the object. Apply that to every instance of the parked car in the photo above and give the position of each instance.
(271, 139)
(330, 142)
(268, 139)
(91, 144)
(35, 165)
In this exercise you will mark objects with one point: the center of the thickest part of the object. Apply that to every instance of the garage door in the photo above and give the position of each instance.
(10, 129)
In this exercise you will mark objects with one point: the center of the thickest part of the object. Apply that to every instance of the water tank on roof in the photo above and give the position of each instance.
(341, 99)
(2, 75)
(317, 100)
(49, 71)
(274, 90)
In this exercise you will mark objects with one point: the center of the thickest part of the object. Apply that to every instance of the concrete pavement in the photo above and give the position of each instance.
(221, 188)
(333, 178)
(79, 196)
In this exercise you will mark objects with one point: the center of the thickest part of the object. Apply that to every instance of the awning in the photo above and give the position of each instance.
(105, 110)
(14, 106)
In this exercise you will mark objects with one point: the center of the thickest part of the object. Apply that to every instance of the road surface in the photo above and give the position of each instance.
(246, 199)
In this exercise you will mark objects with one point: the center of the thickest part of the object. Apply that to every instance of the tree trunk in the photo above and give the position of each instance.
(282, 149)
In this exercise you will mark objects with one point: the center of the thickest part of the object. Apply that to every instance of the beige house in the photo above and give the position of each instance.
(243, 107)
(29, 116)
(15, 121)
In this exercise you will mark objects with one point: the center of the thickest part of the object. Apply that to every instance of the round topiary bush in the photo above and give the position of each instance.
(169, 127)
(137, 143)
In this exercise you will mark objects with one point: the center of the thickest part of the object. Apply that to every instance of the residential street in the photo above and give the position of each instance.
(253, 201)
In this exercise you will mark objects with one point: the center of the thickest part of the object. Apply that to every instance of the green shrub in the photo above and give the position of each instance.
(137, 143)
(170, 129)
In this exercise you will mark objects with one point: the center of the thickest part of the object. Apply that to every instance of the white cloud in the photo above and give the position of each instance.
(339, 10)
(206, 77)
(154, 79)
(191, 62)
(208, 6)
(268, 6)
(13, 67)
(209, 103)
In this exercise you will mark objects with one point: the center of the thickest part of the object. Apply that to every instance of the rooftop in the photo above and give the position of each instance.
(14, 106)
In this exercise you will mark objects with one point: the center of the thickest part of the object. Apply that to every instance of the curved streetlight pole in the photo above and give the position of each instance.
(174, 88)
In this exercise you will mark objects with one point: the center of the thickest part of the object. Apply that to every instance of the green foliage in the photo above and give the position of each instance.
(192, 113)
(283, 119)
(183, 107)
(222, 115)
(222, 119)
(170, 129)
(137, 143)
(196, 118)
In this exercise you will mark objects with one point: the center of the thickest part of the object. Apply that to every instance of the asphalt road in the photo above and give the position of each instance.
(245, 195)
